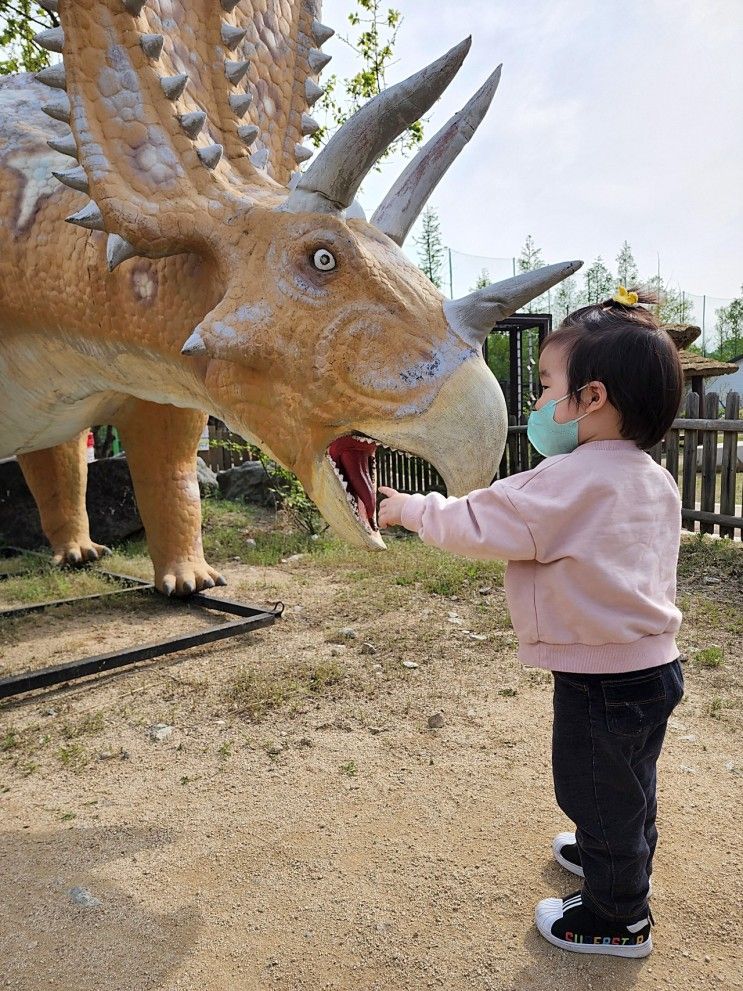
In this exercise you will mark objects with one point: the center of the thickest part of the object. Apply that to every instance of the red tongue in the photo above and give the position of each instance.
(354, 456)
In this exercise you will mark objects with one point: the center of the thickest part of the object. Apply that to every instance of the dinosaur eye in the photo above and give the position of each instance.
(323, 260)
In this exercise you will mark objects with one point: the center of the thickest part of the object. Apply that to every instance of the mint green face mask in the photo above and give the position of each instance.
(547, 435)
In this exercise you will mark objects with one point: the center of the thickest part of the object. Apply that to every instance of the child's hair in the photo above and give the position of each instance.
(625, 348)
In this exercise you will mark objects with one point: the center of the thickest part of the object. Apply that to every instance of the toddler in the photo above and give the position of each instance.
(591, 536)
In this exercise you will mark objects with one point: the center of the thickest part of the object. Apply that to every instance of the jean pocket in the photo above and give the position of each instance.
(635, 706)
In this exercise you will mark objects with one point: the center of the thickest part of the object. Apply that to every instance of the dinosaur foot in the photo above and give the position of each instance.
(185, 577)
(76, 553)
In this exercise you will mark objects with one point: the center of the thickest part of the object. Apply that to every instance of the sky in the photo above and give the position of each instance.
(612, 121)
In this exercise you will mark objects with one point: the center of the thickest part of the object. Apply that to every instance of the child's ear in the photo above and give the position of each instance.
(597, 395)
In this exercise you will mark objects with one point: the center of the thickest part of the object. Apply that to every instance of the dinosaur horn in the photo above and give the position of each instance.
(333, 179)
(400, 208)
(474, 316)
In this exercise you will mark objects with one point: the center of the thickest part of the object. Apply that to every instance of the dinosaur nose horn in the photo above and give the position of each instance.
(474, 316)
(333, 179)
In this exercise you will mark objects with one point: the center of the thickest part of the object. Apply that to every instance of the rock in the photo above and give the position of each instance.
(337, 651)
(206, 478)
(274, 749)
(409, 664)
(377, 667)
(711, 580)
(250, 543)
(343, 635)
(81, 896)
(160, 732)
(487, 590)
(247, 482)
(367, 648)
(436, 721)
(109, 498)
(293, 557)
(306, 741)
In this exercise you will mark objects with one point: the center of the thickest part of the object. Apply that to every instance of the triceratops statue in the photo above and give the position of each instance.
(199, 271)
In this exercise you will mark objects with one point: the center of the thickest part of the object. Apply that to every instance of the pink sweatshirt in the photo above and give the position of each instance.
(592, 542)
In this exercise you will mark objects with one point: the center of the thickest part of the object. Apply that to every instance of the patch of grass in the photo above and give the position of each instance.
(349, 768)
(225, 750)
(715, 707)
(52, 583)
(254, 694)
(92, 722)
(9, 741)
(73, 757)
(508, 692)
(325, 674)
(710, 657)
(712, 614)
(703, 555)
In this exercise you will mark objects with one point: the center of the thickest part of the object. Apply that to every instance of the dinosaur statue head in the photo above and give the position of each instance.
(327, 341)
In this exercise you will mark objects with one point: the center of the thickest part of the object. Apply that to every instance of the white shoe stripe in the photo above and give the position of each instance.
(571, 903)
(637, 926)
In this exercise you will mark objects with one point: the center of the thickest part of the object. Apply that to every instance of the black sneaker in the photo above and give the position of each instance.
(567, 854)
(571, 925)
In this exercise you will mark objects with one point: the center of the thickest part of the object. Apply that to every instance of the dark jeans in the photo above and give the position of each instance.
(606, 739)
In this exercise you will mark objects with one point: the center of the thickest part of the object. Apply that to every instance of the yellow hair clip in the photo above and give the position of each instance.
(624, 297)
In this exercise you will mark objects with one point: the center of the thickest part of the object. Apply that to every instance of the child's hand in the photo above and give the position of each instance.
(390, 509)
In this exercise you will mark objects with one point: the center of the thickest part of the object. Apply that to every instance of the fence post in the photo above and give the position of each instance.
(709, 461)
(729, 465)
(689, 483)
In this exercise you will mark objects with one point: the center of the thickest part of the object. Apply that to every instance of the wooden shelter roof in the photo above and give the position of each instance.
(695, 365)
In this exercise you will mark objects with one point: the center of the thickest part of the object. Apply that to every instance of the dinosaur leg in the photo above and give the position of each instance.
(161, 444)
(57, 478)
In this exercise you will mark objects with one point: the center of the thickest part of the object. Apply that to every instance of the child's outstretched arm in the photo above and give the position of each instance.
(484, 524)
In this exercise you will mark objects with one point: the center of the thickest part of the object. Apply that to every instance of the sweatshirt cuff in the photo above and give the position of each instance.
(411, 516)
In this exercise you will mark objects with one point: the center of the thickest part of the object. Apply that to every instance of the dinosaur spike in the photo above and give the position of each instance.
(210, 155)
(240, 103)
(312, 92)
(65, 145)
(192, 122)
(59, 110)
(301, 153)
(173, 86)
(54, 76)
(318, 60)
(194, 345)
(52, 40)
(321, 32)
(74, 178)
(51, 5)
(235, 70)
(152, 45)
(260, 158)
(229, 5)
(118, 250)
(232, 36)
(134, 6)
(247, 133)
(89, 217)
(309, 124)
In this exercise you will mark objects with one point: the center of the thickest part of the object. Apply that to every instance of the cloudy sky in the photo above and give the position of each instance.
(612, 121)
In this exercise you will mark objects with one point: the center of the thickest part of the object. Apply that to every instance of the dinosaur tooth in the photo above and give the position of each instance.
(321, 32)
(65, 145)
(309, 124)
(89, 217)
(74, 178)
(194, 344)
(210, 155)
(247, 133)
(152, 45)
(312, 92)
(59, 109)
(301, 153)
(51, 5)
(229, 5)
(236, 70)
(318, 60)
(52, 39)
(173, 86)
(232, 36)
(192, 122)
(134, 6)
(54, 76)
(240, 102)
(118, 250)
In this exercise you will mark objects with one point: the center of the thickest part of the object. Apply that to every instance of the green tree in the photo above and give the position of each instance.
(627, 274)
(565, 298)
(430, 247)
(375, 27)
(530, 259)
(598, 283)
(20, 20)
(729, 326)
(673, 305)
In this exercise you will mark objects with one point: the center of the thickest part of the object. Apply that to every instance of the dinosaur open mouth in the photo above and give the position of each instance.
(354, 461)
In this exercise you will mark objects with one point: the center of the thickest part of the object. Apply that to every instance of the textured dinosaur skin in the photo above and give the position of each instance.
(289, 356)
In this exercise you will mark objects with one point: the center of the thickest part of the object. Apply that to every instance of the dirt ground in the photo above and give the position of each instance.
(302, 828)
